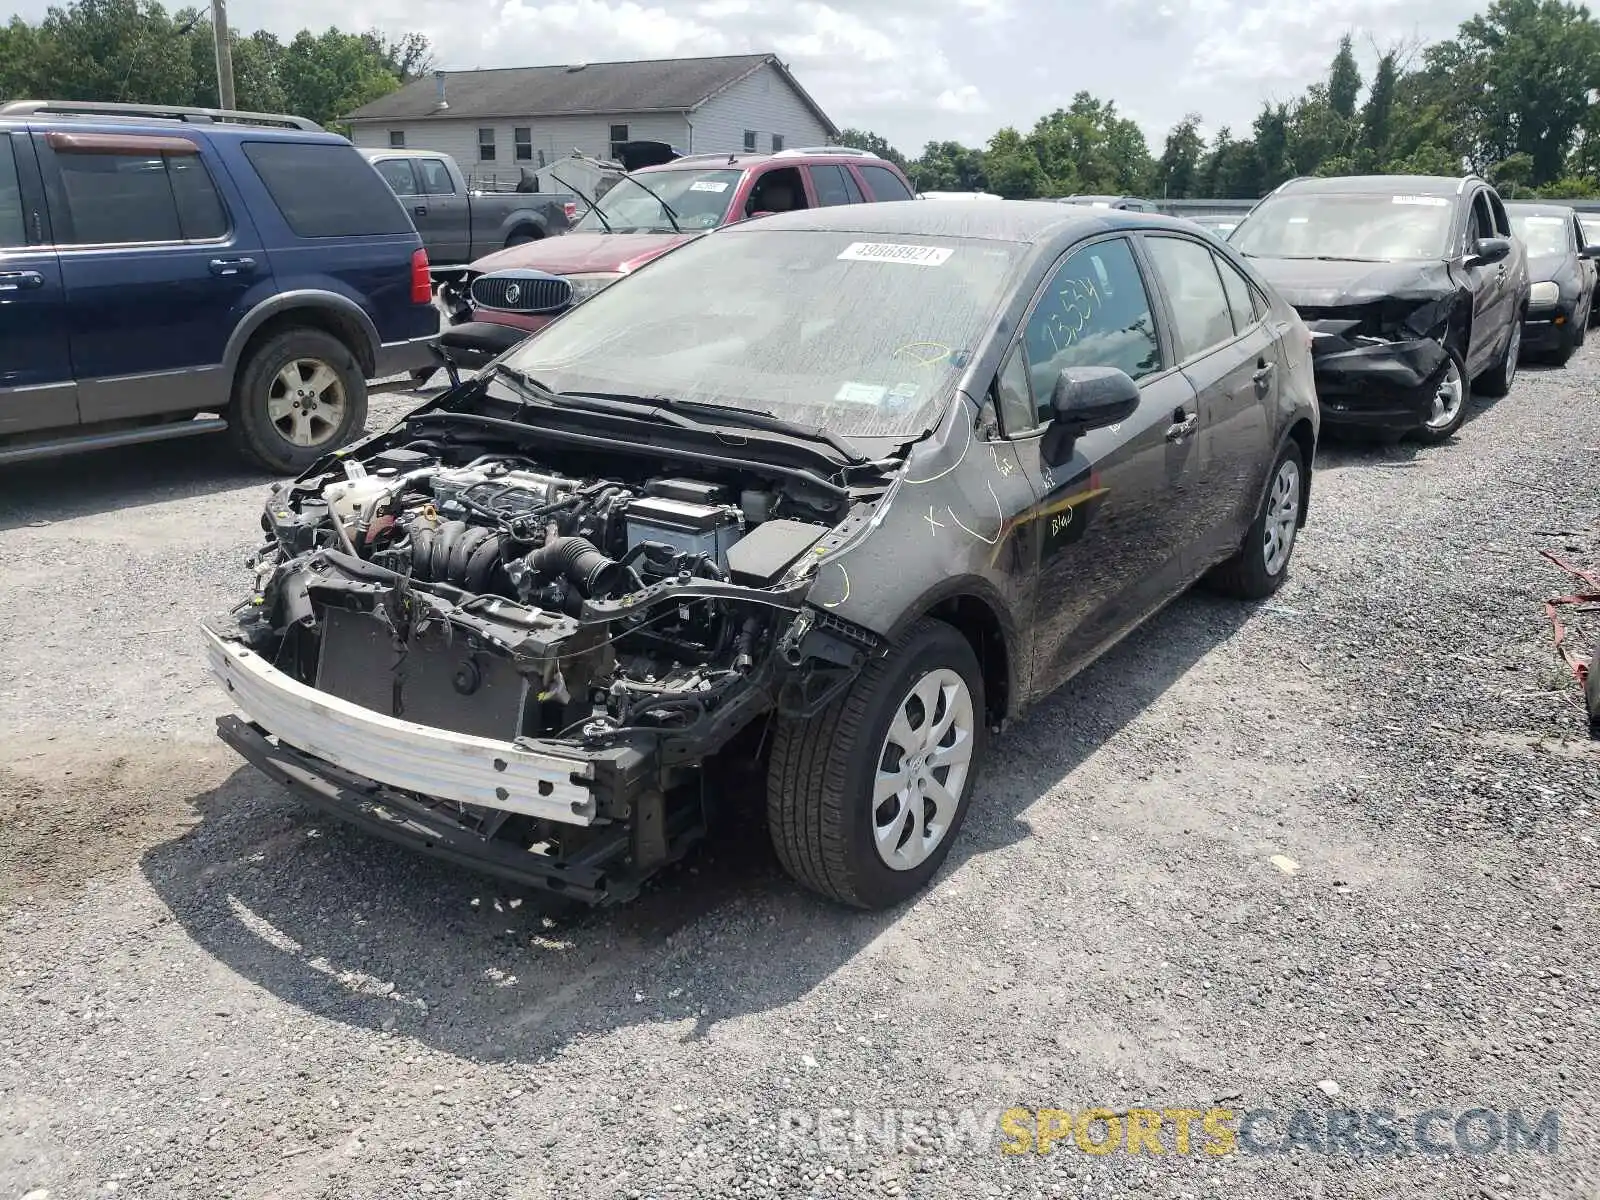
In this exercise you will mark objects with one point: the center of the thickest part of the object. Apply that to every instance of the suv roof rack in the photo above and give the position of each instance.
(164, 112)
(803, 151)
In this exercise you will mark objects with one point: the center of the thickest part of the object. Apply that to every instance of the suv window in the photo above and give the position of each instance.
(885, 184)
(436, 179)
(1246, 307)
(397, 173)
(834, 186)
(1094, 313)
(778, 190)
(13, 221)
(135, 198)
(1497, 211)
(1482, 224)
(1201, 315)
(326, 190)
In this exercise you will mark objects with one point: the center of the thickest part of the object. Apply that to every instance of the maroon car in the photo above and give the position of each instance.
(653, 209)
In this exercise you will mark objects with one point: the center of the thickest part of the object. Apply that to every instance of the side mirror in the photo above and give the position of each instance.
(1488, 251)
(1589, 252)
(1087, 398)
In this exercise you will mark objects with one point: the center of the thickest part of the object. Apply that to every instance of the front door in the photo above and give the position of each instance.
(1231, 359)
(449, 215)
(1488, 292)
(1109, 515)
(157, 271)
(36, 386)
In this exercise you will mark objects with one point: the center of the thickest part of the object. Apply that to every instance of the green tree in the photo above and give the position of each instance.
(1178, 172)
(1379, 108)
(865, 139)
(1011, 168)
(949, 167)
(1344, 81)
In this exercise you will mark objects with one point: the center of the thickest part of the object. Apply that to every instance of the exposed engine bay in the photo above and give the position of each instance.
(637, 619)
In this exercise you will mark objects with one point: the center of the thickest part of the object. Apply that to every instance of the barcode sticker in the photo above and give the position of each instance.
(917, 256)
(1425, 201)
(708, 185)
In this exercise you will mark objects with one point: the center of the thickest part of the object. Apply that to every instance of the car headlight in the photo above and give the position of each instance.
(1543, 295)
(584, 286)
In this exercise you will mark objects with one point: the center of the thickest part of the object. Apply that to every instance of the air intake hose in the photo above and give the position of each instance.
(580, 561)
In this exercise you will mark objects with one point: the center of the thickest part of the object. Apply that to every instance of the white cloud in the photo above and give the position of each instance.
(965, 99)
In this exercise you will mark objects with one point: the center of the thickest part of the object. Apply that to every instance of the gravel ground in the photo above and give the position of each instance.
(1340, 843)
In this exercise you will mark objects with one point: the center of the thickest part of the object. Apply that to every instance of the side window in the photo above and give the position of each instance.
(486, 145)
(778, 190)
(13, 220)
(201, 215)
(1201, 314)
(397, 173)
(326, 189)
(522, 143)
(1482, 219)
(436, 179)
(885, 184)
(397, 139)
(1498, 215)
(1010, 394)
(1241, 297)
(749, 141)
(1577, 231)
(129, 198)
(857, 196)
(619, 139)
(829, 181)
(1094, 313)
(777, 142)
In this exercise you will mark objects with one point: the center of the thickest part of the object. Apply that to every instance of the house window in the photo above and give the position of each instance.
(619, 138)
(777, 142)
(485, 145)
(397, 139)
(523, 137)
(749, 141)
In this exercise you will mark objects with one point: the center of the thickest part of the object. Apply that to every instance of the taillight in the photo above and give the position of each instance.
(421, 281)
(570, 208)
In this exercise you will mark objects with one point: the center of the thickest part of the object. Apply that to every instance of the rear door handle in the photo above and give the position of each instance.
(421, 210)
(19, 281)
(1182, 427)
(232, 266)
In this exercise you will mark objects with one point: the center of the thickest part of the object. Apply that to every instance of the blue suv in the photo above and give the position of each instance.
(172, 271)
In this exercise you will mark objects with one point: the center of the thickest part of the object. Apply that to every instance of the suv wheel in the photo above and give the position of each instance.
(1497, 380)
(1450, 399)
(864, 799)
(298, 396)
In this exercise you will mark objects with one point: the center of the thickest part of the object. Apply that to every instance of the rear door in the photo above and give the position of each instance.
(1231, 358)
(1586, 270)
(36, 385)
(449, 214)
(1110, 516)
(157, 269)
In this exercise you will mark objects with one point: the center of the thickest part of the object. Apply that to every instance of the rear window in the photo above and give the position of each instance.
(326, 190)
(885, 184)
(131, 198)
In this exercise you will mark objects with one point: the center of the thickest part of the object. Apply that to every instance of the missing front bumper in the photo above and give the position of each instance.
(1382, 386)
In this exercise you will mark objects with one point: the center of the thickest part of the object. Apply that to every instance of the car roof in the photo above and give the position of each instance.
(996, 220)
(216, 130)
(1540, 208)
(1388, 185)
(740, 161)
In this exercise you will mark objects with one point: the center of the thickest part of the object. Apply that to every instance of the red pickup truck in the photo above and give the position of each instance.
(647, 212)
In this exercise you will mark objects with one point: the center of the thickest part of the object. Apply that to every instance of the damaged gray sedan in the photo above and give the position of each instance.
(838, 492)
(1413, 286)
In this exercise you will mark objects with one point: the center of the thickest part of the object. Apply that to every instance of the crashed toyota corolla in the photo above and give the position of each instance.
(836, 492)
(1413, 287)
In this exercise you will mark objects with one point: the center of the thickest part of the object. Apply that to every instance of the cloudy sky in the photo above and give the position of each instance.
(915, 70)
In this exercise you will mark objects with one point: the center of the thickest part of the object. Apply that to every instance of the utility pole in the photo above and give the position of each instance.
(219, 33)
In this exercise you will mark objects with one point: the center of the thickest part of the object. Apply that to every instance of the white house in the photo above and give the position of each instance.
(497, 122)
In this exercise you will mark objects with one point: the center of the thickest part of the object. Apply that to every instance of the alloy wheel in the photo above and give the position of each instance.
(306, 402)
(1448, 398)
(923, 769)
(1283, 513)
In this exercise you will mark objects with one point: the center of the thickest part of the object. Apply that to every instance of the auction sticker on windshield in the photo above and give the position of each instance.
(1425, 201)
(709, 185)
(919, 256)
(859, 393)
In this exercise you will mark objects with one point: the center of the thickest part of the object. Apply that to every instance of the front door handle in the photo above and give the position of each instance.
(19, 281)
(1263, 376)
(421, 210)
(1182, 427)
(232, 266)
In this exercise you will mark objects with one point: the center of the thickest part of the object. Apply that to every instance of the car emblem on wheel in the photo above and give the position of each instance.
(513, 293)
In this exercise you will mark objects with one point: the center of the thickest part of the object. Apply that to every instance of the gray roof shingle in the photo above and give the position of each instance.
(652, 85)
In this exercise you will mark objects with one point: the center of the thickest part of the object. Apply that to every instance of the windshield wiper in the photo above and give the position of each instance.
(749, 418)
(665, 207)
(593, 207)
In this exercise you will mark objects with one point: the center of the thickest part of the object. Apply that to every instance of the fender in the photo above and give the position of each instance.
(306, 298)
(524, 217)
(1018, 649)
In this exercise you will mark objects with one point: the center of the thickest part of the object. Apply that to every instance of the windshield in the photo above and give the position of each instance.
(860, 335)
(1347, 226)
(1541, 234)
(699, 199)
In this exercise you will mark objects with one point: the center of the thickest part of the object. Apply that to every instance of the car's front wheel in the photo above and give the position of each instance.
(299, 395)
(864, 799)
(1449, 408)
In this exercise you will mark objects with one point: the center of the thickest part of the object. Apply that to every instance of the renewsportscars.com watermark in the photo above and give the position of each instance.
(1214, 1131)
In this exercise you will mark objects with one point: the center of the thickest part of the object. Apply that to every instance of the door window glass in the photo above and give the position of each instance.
(118, 198)
(397, 173)
(326, 190)
(1011, 398)
(436, 179)
(13, 221)
(1094, 313)
(885, 184)
(1200, 312)
(201, 216)
(829, 181)
(1482, 218)
(1241, 297)
(777, 191)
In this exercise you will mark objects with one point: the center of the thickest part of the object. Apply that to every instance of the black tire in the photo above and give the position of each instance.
(522, 237)
(1249, 575)
(821, 773)
(1562, 354)
(1497, 380)
(251, 428)
(1433, 436)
